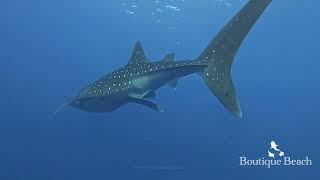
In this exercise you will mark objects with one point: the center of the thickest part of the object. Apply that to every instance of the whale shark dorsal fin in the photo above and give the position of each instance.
(137, 54)
(169, 57)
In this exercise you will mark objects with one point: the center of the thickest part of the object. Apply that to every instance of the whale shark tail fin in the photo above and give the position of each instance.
(221, 51)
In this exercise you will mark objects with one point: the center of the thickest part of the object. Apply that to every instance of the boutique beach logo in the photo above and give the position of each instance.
(275, 148)
(275, 157)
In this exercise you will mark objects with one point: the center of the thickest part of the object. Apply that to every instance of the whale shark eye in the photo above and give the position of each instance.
(227, 94)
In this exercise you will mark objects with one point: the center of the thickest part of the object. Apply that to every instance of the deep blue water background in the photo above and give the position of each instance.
(51, 49)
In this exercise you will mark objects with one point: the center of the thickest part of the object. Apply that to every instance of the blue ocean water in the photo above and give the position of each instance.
(49, 50)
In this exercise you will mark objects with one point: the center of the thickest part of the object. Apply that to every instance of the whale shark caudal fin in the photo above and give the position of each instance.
(221, 51)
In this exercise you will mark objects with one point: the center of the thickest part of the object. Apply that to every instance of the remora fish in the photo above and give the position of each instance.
(138, 80)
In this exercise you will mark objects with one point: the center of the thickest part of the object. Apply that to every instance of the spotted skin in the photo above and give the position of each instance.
(137, 81)
(122, 79)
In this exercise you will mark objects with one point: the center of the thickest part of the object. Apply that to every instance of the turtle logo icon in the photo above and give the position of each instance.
(273, 150)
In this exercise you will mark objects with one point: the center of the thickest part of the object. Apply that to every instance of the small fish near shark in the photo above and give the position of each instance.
(138, 80)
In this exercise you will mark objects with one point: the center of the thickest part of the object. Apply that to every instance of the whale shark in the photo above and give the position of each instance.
(138, 81)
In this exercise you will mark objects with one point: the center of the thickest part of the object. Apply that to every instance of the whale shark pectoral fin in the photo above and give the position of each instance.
(147, 103)
(150, 95)
(173, 84)
(140, 94)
